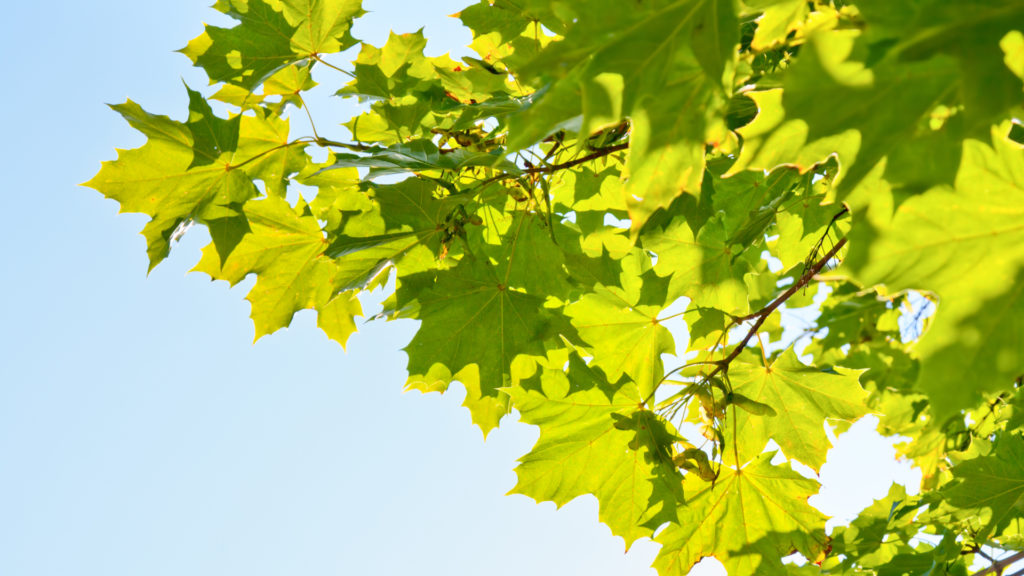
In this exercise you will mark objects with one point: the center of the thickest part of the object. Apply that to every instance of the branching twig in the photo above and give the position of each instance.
(998, 566)
(821, 241)
(762, 314)
(555, 167)
(592, 156)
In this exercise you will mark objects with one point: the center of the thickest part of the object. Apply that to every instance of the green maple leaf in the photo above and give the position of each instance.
(392, 72)
(404, 88)
(536, 264)
(802, 398)
(598, 161)
(778, 19)
(666, 73)
(321, 26)
(886, 101)
(853, 318)
(413, 96)
(1013, 49)
(211, 136)
(749, 201)
(922, 29)
(285, 249)
(770, 140)
(246, 54)
(945, 559)
(174, 177)
(265, 146)
(337, 317)
(748, 519)
(626, 336)
(595, 438)
(708, 268)
(268, 39)
(990, 490)
(374, 226)
(554, 107)
(965, 245)
(281, 89)
(502, 17)
(667, 69)
(473, 326)
(297, 268)
(866, 537)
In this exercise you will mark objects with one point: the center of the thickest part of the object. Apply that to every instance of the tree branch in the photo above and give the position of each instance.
(555, 167)
(762, 314)
(998, 566)
(592, 156)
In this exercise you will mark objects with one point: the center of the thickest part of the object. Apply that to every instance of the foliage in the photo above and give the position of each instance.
(603, 167)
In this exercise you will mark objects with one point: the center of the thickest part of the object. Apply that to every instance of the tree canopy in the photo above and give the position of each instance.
(603, 172)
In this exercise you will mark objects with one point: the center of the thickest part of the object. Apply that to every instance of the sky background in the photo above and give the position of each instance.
(141, 430)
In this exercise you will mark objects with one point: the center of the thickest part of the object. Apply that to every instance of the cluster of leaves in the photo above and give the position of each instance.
(603, 167)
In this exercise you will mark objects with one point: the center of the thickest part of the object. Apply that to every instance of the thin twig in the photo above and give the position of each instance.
(998, 566)
(555, 167)
(762, 314)
(592, 156)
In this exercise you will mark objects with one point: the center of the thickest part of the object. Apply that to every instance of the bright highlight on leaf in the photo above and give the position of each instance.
(686, 239)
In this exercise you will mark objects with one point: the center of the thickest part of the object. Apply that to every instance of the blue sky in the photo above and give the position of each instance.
(141, 430)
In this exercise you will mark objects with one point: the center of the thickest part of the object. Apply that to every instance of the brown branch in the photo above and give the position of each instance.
(555, 167)
(998, 566)
(976, 549)
(592, 156)
(762, 314)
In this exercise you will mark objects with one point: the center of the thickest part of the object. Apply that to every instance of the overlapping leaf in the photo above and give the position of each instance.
(626, 335)
(705, 266)
(665, 68)
(868, 539)
(923, 29)
(990, 490)
(801, 398)
(597, 162)
(473, 327)
(964, 244)
(271, 36)
(748, 519)
(596, 438)
(199, 170)
(285, 249)
(885, 102)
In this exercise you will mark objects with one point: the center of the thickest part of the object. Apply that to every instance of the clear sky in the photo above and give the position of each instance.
(141, 431)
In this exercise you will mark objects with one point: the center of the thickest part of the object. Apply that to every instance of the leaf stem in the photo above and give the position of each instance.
(329, 65)
(309, 115)
(302, 140)
(350, 145)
